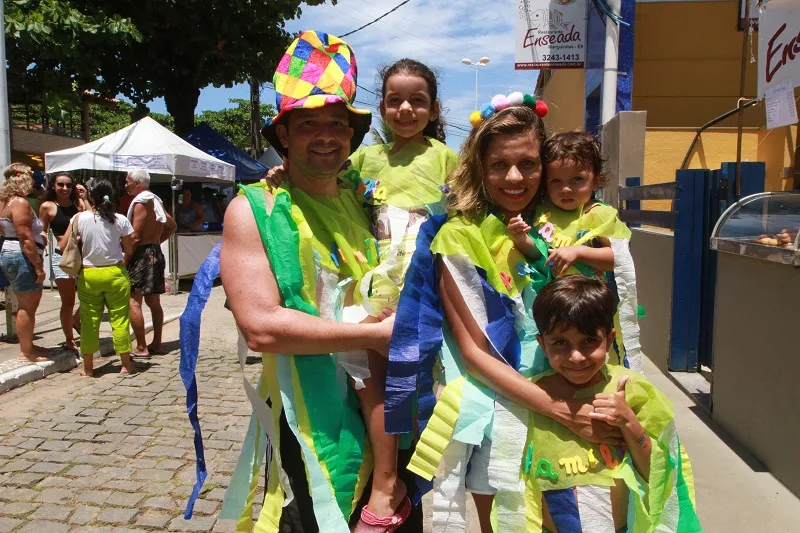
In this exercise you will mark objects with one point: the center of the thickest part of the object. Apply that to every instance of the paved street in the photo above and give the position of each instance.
(115, 454)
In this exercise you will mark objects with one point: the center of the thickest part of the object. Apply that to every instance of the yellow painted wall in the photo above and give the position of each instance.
(564, 95)
(687, 60)
(665, 149)
(687, 64)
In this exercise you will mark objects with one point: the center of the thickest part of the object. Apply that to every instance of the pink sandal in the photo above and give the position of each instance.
(370, 523)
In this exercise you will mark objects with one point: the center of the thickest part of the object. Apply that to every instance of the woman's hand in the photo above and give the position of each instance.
(582, 423)
(577, 414)
(40, 275)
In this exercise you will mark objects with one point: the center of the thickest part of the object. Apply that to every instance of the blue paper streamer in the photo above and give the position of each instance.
(190, 345)
(563, 509)
(500, 327)
(412, 353)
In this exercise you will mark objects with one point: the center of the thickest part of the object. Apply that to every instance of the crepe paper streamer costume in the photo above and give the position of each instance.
(190, 344)
(578, 479)
(312, 390)
(404, 189)
(580, 227)
(498, 285)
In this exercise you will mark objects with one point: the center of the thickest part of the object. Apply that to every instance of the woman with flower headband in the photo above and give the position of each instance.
(467, 304)
(103, 282)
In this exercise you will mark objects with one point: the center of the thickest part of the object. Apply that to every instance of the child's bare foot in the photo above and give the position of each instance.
(124, 371)
(87, 374)
(384, 503)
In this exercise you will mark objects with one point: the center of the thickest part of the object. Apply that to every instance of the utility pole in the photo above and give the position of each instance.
(610, 65)
(255, 118)
(5, 159)
(746, 34)
(5, 124)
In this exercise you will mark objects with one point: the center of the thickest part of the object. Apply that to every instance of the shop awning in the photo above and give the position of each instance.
(148, 145)
(211, 142)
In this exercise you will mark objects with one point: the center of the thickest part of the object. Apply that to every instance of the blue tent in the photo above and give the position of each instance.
(208, 140)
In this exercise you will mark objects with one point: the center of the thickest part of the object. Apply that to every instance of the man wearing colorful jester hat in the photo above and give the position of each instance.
(290, 258)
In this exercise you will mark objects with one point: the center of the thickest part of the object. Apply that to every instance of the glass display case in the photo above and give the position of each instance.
(764, 226)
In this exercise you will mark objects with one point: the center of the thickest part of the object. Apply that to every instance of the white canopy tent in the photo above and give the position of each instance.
(148, 145)
(144, 144)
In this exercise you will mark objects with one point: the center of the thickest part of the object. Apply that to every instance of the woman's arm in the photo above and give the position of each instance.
(127, 245)
(574, 414)
(22, 216)
(46, 215)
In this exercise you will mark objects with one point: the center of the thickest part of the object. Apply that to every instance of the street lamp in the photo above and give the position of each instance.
(482, 62)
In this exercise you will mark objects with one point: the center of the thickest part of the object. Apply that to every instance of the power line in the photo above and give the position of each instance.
(364, 88)
(395, 8)
(434, 46)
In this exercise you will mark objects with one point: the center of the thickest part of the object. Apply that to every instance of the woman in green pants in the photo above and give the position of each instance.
(103, 282)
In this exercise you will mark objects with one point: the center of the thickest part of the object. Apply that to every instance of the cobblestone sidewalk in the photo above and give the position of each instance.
(115, 453)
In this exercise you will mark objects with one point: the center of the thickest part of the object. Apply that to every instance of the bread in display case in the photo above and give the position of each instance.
(764, 226)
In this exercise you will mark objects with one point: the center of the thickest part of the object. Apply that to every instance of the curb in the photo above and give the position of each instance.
(63, 361)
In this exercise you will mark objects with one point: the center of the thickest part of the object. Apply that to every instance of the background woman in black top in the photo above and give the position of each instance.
(61, 204)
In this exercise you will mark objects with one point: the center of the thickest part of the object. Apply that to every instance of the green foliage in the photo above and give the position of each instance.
(233, 123)
(56, 47)
(145, 49)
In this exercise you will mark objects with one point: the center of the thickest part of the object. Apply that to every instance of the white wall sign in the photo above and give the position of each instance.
(779, 45)
(550, 34)
(780, 106)
(147, 162)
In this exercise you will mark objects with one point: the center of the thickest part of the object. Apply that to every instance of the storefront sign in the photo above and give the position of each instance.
(779, 45)
(550, 34)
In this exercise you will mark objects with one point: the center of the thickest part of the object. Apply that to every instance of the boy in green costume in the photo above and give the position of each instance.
(647, 485)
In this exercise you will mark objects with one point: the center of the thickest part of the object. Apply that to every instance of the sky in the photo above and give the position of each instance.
(438, 33)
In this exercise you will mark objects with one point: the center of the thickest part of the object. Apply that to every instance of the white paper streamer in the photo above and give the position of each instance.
(331, 297)
(449, 493)
(509, 436)
(671, 511)
(468, 282)
(594, 508)
(398, 226)
(625, 277)
(264, 415)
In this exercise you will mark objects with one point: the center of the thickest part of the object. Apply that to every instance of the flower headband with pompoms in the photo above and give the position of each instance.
(500, 102)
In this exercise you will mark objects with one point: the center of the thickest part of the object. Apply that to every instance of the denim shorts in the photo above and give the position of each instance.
(19, 271)
(55, 271)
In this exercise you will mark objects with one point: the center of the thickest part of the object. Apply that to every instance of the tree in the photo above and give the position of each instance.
(55, 50)
(152, 48)
(106, 119)
(233, 123)
(191, 44)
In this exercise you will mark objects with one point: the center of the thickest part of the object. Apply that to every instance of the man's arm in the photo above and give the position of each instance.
(256, 302)
(170, 226)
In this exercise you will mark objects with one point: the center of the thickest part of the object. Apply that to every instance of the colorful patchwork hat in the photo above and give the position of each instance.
(317, 70)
